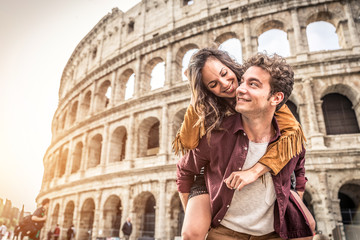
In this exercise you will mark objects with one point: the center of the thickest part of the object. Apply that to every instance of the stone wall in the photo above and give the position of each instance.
(100, 168)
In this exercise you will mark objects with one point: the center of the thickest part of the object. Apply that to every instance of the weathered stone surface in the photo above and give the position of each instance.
(101, 167)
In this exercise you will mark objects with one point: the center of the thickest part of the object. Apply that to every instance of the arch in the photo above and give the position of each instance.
(186, 61)
(55, 216)
(274, 41)
(148, 137)
(339, 115)
(73, 113)
(158, 76)
(349, 197)
(86, 219)
(63, 159)
(95, 151)
(144, 209)
(181, 60)
(85, 105)
(68, 215)
(322, 36)
(233, 47)
(76, 163)
(118, 144)
(103, 96)
(176, 216)
(343, 89)
(112, 216)
(125, 86)
(177, 121)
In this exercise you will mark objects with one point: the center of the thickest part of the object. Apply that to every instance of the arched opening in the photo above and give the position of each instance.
(176, 216)
(68, 216)
(186, 61)
(85, 106)
(95, 151)
(77, 157)
(149, 217)
(62, 163)
(112, 216)
(148, 137)
(177, 121)
(130, 84)
(293, 109)
(103, 96)
(274, 41)
(153, 140)
(321, 36)
(118, 144)
(55, 216)
(350, 213)
(233, 47)
(158, 76)
(86, 219)
(339, 115)
(73, 113)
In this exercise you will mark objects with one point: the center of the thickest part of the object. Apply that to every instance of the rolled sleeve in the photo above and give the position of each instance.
(300, 172)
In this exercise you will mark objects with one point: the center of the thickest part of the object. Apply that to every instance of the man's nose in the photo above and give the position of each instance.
(241, 89)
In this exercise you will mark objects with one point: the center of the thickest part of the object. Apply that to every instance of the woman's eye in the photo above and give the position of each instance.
(223, 74)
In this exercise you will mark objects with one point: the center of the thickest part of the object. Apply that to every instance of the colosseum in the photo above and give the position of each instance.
(110, 156)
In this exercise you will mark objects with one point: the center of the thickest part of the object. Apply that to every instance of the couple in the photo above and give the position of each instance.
(237, 142)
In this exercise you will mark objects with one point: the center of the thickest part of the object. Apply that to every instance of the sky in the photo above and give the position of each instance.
(36, 40)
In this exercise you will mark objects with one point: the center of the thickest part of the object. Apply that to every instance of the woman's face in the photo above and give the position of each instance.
(219, 79)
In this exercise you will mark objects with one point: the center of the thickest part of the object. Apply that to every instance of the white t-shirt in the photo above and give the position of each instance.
(252, 208)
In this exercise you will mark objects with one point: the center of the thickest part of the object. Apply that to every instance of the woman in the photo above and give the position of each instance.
(213, 98)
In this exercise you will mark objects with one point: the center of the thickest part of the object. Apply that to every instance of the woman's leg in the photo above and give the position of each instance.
(197, 218)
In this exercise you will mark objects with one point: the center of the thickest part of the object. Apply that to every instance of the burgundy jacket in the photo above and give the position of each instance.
(225, 153)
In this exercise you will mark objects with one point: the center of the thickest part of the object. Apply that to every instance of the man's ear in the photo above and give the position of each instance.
(277, 98)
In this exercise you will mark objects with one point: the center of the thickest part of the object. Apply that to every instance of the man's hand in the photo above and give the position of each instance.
(239, 179)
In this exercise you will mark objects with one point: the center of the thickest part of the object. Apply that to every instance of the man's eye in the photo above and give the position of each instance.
(254, 84)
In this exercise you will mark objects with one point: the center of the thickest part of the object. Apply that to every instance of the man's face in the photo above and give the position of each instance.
(253, 93)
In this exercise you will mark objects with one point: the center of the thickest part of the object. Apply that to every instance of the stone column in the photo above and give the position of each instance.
(320, 114)
(317, 139)
(97, 230)
(323, 208)
(76, 216)
(160, 223)
(169, 67)
(137, 83)
(125, 206)
(164, 130)
(247, 39)
(300, 39)
(92, 109)
(113, 89)
(104, 148)
(69, 159)
(351, 24)
(84, 154)
(356, 108)
(130, 153)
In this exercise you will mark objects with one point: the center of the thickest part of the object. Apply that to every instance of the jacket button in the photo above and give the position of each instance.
(228, 206)
(245, 148)
(244, 134)
(219, 220)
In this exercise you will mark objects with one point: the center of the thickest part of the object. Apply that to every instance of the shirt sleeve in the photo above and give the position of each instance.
(190, 164)
(300, 172)
(290, 143)
(189, 134)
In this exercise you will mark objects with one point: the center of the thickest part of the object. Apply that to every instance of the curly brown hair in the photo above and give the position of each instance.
(210, 108)
(282, 75)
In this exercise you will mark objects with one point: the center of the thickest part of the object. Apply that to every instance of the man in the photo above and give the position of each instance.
(127, 228)
(71, 232)
(39, 218)
(259, 210)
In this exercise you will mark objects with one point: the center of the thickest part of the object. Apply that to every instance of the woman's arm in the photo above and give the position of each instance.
(290, 143)
(189, 134)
